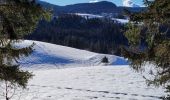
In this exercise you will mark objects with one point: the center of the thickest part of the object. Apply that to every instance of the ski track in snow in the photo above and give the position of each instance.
(63, 73)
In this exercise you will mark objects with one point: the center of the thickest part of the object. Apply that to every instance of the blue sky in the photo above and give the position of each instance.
(67, 2)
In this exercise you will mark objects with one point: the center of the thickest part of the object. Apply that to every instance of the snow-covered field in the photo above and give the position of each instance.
(63, 73)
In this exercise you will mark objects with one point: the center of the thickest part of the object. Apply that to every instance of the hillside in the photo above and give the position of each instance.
(51, 54)
(95, 8)
(93, 34)
(102, 8)
(82, 79)
(97, 27)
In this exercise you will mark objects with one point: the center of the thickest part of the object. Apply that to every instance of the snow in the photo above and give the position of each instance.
(64, 73)
(88, 15)
(123, 21)
(89, 83)
(51, 54)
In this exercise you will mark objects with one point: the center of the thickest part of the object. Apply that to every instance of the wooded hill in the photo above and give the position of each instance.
(98, 35)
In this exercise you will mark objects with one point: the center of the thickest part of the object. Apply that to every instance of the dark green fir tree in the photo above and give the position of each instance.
(149, 39)
(17, 18)
(105, 60)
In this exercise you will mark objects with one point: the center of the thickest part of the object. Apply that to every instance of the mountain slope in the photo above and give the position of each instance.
(91, 8)
(95, 8)
(46, 53)
(80, 83)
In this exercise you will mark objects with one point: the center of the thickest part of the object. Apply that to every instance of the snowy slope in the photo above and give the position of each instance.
(46, 53)
(52, 81)
(88, 83)
(123, 21)
(88, 15)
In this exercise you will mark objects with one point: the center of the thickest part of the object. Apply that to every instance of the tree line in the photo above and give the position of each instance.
(93, 34)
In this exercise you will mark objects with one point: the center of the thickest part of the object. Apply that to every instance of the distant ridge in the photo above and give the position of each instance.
(95, 8)
(91, 8)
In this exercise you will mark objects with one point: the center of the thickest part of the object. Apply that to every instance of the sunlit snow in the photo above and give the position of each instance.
(64, 73)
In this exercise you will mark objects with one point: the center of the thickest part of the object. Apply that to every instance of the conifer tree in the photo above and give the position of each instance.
(151, 27)
(105, 60)
(17, 18)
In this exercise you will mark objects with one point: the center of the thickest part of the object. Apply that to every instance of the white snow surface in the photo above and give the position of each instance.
(88, 83)
(122, 21)
(89, 15)
(51, 54)
(73, 74)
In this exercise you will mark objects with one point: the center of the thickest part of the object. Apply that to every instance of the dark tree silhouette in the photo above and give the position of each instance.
(153, 28)
(17, 18)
